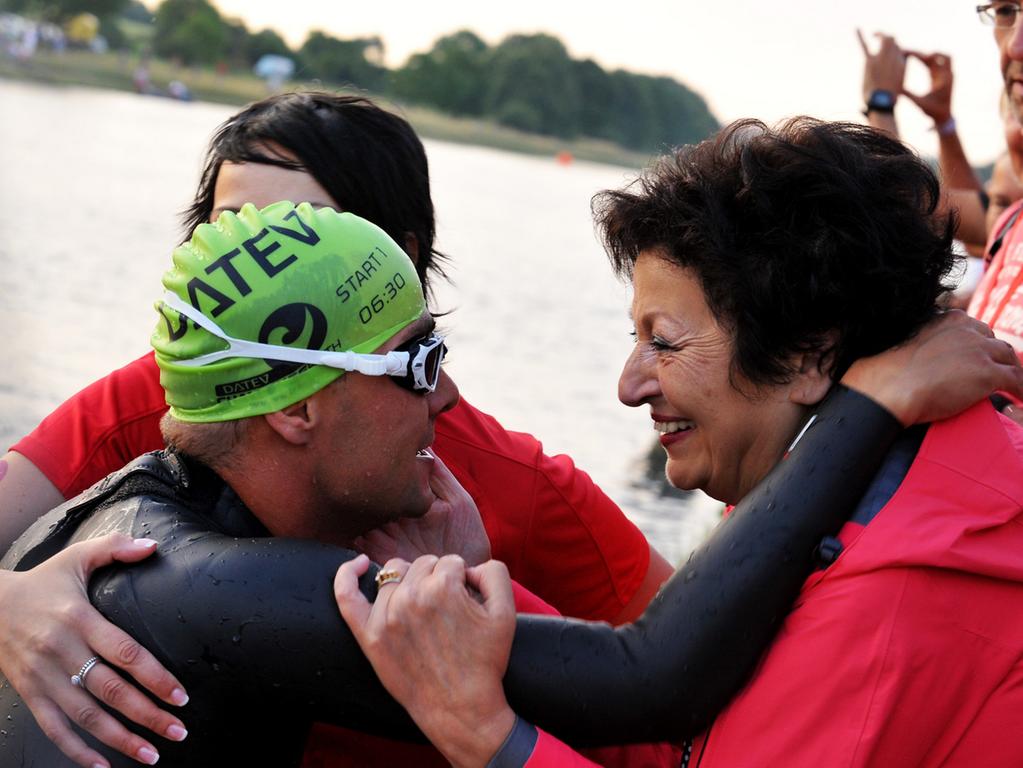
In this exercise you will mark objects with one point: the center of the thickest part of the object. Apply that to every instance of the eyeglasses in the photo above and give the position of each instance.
(414, 365)
(1001, 15)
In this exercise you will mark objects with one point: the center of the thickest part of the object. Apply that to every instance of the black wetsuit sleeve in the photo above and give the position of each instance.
(669, 674)
(251, 628)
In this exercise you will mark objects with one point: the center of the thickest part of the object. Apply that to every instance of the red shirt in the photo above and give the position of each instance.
(908, 649)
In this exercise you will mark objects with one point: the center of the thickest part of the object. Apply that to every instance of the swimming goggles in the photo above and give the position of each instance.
(414, 365)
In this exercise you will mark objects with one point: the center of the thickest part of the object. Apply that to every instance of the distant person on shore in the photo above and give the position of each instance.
(25, 48)
(178, 90)
(275, 70)
(140, 77)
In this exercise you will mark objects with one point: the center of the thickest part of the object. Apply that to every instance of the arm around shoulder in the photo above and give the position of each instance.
(25, 494)
(254, 626)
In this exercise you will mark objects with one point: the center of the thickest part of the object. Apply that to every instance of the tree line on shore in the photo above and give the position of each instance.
(527, 82)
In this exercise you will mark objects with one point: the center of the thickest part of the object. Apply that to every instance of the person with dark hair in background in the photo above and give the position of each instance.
(751, 256)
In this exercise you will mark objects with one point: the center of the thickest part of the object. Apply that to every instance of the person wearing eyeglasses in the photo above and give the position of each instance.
(998, 299)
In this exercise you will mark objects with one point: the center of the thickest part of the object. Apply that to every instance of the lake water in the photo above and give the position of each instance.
(91, 183)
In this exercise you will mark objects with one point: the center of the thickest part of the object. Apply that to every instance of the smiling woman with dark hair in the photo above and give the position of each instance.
(790, 232)
(765, 263)
(794, 252)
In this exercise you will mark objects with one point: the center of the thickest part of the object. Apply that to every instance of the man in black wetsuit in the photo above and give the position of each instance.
(270, 437)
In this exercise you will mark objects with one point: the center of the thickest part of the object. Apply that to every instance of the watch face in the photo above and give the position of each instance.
(881, 99)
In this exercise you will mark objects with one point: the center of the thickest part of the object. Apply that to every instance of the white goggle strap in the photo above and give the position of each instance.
(390, 364)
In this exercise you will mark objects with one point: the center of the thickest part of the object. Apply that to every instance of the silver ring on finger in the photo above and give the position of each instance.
(79, 679)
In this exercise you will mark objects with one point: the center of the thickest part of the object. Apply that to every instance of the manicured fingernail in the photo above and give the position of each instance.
(146, 542)
(148, 755)
(176, 733)
(99, 765)
(178, 697)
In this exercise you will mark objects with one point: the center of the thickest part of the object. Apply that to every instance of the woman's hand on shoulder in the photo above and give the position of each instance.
(49, 632)
(953, 362)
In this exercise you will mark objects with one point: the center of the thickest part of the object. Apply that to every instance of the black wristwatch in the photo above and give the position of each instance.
(880, 101)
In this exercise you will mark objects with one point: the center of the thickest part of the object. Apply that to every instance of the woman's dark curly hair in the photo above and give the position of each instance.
(807, 237)
(369, 160)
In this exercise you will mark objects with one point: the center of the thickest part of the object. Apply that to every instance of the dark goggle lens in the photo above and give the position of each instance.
(425, 357)
(433, 360)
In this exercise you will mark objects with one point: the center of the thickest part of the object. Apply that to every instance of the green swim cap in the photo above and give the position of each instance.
(284, 275)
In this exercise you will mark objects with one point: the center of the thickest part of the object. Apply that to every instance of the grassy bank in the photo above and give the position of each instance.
(112, 70)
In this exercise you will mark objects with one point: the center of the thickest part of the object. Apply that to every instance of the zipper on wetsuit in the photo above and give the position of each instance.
(689, 744)
(687, 753)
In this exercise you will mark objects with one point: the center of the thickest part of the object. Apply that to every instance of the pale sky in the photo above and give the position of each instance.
(748, 59)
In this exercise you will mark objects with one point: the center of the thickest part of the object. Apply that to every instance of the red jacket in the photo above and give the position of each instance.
(908, 650)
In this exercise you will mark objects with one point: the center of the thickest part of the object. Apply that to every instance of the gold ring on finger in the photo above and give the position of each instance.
(387, 576)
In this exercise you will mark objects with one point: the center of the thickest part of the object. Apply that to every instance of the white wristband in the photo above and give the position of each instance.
(947, 128)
